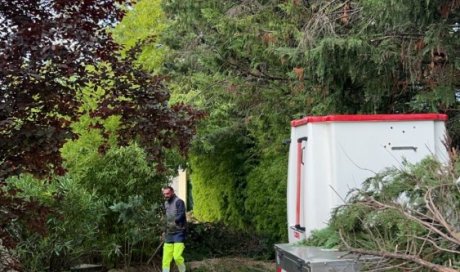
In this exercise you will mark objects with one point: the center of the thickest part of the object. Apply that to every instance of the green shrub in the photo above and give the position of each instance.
(214, 240)
(218, 179)
(139, 227)
(130, 189)
(266, 197)
(72, 224)
(107, 210)
(120, 173)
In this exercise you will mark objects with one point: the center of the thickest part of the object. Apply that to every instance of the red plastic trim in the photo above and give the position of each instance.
(370, 117)
(299, 182)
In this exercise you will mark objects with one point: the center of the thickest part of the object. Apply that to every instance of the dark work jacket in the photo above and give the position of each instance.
(175, 220)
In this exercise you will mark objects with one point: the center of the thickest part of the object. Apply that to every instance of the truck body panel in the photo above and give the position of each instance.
(330, 155)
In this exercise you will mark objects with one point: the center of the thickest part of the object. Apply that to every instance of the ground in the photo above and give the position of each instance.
(232, 265)
(217, 265)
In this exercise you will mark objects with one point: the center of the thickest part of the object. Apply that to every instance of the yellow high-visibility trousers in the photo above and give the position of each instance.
(173, 251)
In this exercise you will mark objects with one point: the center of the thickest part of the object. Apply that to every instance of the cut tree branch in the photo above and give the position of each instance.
(400, 256)
(428, 225)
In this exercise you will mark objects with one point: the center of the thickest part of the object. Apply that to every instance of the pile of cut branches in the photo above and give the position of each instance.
(408, 216)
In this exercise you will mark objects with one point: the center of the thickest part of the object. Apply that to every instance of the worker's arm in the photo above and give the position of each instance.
(180, 216)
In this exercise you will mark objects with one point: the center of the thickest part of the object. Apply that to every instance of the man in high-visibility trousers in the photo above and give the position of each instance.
(175, 230)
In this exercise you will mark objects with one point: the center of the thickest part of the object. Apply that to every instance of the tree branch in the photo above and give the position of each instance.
(395, 255)
(428, 225)
(437, 214)
(435, 245)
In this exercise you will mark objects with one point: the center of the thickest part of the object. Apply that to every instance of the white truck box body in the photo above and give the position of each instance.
(341, 151)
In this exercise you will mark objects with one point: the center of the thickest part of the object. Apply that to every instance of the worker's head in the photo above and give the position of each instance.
(168, 192)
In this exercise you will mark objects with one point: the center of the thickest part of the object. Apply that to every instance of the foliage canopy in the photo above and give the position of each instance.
(256, 65)
(54, 55)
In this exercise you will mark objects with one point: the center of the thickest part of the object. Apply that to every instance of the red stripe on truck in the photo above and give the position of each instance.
(370, 117)
(299, 179)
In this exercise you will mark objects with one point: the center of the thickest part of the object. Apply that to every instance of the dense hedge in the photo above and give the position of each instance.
(266, 197)
(218, 180)
(258, 202)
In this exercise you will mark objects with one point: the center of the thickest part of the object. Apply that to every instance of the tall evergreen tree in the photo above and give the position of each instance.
(256, 65)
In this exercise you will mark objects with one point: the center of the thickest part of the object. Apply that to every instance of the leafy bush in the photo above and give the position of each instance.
(139, 226)
(107, 210)
(130, 189)
(72, 225)
(120, 173)
(214, 240)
